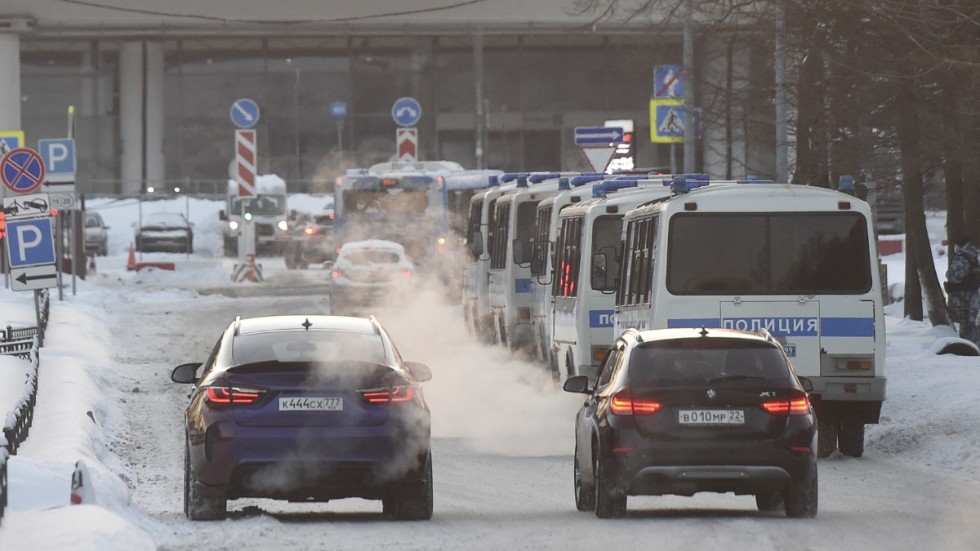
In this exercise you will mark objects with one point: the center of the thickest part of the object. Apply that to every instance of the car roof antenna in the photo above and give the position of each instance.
(306, 324)
(704, 332)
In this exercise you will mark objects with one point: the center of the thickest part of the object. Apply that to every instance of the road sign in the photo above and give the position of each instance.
(26, 206)
(667, 121)
(245, 161)
(10, 140)
(30, 242)
(598, 135)
(35, 277)
(667, 82)
(59, 159)
(338, 109)
(22, 170)
(598, 157)
(406, 111)
(65, 201)
(244, 113)
(408, 144)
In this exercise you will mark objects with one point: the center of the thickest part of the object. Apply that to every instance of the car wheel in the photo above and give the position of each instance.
(826, 437)
(198, 506)
(413, 501)
(769, 501)
(584, 493)
(103, 250)
(800, 496)
(851, 438)
(607, 504)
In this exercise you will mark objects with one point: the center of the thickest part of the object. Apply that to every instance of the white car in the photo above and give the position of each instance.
(367, 272)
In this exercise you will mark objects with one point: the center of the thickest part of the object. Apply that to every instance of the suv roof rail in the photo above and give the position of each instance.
(238, 325)
(635, 333)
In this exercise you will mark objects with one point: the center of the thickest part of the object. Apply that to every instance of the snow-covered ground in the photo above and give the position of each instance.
(502, 431)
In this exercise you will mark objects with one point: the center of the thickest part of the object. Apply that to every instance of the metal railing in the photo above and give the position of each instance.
(23, 343)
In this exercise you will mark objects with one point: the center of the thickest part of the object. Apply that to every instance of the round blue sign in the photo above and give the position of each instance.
(406, 111)
(244, 113)
(22, 170)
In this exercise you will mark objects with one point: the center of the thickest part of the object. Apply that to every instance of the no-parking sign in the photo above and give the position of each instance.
(22, 170)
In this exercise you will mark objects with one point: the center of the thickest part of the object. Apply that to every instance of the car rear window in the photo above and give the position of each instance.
(309, 346)
(369, 256)
(686, 361)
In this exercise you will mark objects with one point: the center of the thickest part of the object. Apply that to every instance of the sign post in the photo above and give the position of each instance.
(598, 144)
(245, 115)
(338, 111)
(406, 113)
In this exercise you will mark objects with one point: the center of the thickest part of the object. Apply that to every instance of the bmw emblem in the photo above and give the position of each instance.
(711, 394)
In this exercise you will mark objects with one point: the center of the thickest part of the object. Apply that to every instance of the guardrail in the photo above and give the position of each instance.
(23, 343)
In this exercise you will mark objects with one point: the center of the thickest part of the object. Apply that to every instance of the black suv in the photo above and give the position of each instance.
(681, 411)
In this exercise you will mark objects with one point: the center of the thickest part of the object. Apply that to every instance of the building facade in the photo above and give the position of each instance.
(502, 84)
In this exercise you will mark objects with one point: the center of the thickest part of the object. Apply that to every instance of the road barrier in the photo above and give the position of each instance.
(24, 343)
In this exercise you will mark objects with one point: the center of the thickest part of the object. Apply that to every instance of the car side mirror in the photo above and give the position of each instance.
(601, 279)
(420, 372)
(519, 252)
(185, 373)
(476, 243)
(578, 384)
(806, 383)
(538, 258)
(222, 215)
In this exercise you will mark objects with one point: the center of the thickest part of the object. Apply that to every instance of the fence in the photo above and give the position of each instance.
(24, 343)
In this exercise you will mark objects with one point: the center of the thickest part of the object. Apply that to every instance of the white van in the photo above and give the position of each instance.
(582, 329)
(798, 261)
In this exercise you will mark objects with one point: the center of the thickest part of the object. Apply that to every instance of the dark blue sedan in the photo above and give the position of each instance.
(306, 408)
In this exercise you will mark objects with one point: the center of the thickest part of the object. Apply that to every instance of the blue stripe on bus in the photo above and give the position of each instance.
(788, 326)
(522, 285)
(601, 318)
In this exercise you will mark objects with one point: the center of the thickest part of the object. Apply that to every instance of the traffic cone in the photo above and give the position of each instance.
(131, 264)
(81, 486)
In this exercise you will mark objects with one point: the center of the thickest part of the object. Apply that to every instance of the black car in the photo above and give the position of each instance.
(682, 411)
(165, 232)
(306, 408)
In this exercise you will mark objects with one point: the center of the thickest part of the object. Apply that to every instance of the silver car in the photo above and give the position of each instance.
(366, 273)
(96, 236)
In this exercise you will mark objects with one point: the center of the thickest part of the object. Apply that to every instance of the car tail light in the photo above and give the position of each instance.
(309, 231)
(796, 406)
(854, 365)
(336, 274)
(232, 395)
(388, 395)
(623, 404)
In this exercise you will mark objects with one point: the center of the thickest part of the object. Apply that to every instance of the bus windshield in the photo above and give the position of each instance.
(768, 254)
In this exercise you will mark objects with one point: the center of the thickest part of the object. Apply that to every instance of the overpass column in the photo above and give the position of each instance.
(141, 116)
(10, 83)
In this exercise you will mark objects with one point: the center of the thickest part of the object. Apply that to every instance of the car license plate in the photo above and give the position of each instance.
(711, 417)
(311, 404)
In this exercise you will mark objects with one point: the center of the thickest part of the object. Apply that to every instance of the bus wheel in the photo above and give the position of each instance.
(826, 436)
(851, 438)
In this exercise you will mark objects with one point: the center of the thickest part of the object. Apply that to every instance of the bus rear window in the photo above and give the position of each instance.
(768, 254)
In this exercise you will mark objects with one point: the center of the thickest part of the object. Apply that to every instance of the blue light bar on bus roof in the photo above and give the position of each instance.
(511, 176)
(542, 176)
(754, 181)
(522, 181)
(577, 181)
(682, 183)
(492, 180)
(563, 184)
(609, 186)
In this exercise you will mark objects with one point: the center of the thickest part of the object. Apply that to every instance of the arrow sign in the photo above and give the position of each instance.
(244, 113)
(406, 111)
(35, 277)
(598, 135)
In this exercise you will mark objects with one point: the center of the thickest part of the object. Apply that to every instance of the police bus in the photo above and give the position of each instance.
(583, 309)
(479, 243)
(571, 191)
(797, 261)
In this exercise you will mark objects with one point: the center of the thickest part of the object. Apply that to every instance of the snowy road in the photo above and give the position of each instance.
(502, 456)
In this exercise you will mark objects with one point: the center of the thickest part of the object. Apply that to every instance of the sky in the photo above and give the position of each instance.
(72, 386)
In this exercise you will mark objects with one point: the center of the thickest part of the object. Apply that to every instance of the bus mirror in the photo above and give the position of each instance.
(476, 243)
(601, 279)
(222, 215)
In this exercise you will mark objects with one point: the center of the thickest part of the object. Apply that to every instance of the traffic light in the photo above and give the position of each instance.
(247, 212)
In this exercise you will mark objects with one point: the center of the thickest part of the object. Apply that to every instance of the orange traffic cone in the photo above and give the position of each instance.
(131, 264)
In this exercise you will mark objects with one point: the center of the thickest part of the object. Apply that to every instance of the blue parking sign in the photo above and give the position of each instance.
(59, 159)
(30, 242)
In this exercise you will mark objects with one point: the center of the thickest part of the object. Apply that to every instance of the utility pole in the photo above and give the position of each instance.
(481, 115)
(779, 63)
(689, 130)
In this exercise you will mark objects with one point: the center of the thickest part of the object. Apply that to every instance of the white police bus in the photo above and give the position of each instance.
(571, 191)
(798, 261)
(512, 226)
(479, 241)
(583, 308)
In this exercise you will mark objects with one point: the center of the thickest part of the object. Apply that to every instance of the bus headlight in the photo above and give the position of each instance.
(233, 225)
(283, 225)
